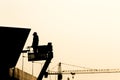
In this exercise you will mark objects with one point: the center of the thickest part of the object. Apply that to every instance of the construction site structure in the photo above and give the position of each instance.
(12, 41)
(61, 72)
(45, 52)
(19, 74)
(11, 45)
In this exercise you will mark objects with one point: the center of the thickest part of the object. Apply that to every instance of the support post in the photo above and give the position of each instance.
(43, 71)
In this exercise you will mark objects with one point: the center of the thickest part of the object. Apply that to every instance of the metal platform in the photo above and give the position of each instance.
(44, 53)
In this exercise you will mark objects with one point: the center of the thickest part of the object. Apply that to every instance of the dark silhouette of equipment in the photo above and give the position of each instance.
(12, 40)
(45, 52)
(60, 72)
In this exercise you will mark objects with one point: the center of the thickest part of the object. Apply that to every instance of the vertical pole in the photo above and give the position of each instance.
(22, 66)
(32, 68)
(59, 68)
(59, 71)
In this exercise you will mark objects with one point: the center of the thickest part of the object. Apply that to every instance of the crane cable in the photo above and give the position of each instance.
(51, 70)
(76, 66)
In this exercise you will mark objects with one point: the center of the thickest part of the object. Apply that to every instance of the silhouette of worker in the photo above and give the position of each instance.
(35, 42)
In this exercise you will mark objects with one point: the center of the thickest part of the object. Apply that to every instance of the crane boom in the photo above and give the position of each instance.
(81, 71)
(87, 71)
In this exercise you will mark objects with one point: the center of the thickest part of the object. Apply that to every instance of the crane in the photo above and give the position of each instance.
(60, 72)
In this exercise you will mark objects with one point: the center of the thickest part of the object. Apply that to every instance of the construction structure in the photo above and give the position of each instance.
(61, 72)
(11, 44)
(12, 41)
(44, 53)
(19, 74)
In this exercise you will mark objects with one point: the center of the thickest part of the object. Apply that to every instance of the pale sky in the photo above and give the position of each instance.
(83, 32)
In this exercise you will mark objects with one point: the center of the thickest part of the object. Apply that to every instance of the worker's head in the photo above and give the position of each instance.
(35, 33)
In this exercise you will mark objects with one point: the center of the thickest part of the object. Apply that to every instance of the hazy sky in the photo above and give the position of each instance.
(83, 32)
